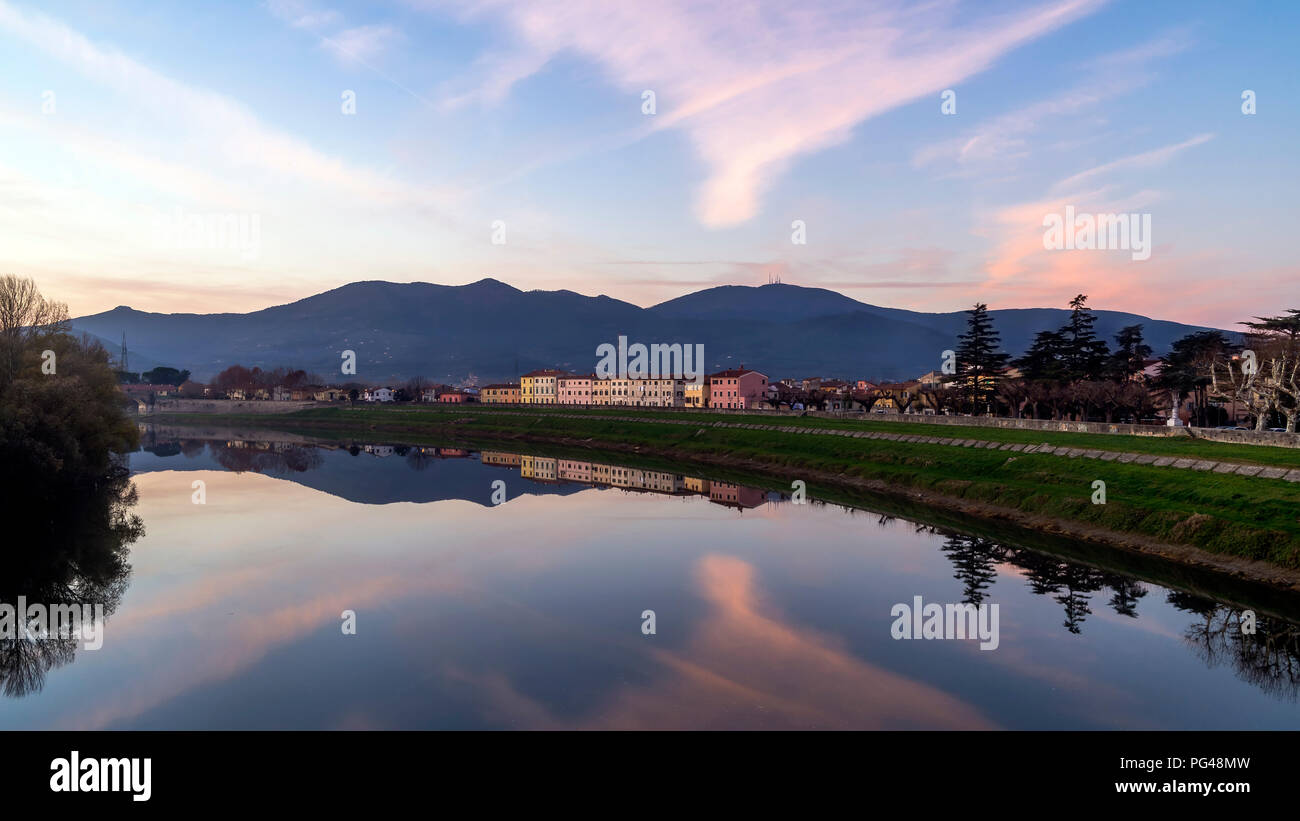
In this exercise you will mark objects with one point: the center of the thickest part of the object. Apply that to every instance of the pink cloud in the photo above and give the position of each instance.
(758, 85)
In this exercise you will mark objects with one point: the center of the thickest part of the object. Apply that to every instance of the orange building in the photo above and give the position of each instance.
(500, 394)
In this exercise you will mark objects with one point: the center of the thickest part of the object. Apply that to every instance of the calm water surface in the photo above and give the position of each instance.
(528, 614)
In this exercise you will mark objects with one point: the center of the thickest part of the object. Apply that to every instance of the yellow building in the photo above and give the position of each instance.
(696, 485)
(538, 387)
(539, 468)
(696, 395)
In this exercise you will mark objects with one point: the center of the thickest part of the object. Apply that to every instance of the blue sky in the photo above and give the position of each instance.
(120, 122)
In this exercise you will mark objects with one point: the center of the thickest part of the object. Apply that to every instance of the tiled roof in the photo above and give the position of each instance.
(733, 372)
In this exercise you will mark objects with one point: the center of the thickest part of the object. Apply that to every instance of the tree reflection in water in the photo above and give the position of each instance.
(1269, 658)
(68, 545)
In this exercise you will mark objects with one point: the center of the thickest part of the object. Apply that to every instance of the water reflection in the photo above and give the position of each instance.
(473, 615)
(68, 544)
(1268, 657)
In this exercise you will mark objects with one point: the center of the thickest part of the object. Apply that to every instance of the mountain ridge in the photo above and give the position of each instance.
(496, 331)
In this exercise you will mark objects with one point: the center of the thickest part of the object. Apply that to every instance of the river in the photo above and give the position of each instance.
(283, 584)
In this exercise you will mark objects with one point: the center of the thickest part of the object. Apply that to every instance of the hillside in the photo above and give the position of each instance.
(496, 331)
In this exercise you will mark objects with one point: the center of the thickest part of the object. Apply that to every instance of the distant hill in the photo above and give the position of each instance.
(496, 331)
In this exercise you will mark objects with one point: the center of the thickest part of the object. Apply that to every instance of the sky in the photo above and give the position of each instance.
(204, 157)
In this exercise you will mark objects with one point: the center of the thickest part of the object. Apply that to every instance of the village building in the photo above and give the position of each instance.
(573, 389)
(737, 388)
(538, 387)
(502, 393)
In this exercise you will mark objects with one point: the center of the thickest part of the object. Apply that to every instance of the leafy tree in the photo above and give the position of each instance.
(165, 376)
(1187, 370)
(63, 426)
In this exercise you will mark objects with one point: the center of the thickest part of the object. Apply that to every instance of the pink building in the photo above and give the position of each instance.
(454, 397)
(737, 388)
(574, 389)
(736, 496)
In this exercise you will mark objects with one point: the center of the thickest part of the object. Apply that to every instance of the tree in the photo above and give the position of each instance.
(415, 387)
(236, 377)
(980, 360)
(1234, 380)
(165, 376)
(1131, 353)
(1084, 354)
(1044, 361)
(25, 318)
(1187, 370)
(1275, 344)
(1014, 393)
(61, 426)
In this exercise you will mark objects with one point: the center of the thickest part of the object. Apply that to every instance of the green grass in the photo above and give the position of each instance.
(1175, 446)
(1228, 514)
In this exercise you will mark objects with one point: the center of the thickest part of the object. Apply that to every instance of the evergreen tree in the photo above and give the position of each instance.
(1085, 354)
(1044, 361)
(1131, 353)
(972, 558)
(979, 358)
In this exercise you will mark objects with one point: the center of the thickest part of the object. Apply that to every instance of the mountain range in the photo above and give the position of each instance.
(495, 331)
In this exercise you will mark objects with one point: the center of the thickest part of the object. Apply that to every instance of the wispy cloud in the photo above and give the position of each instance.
(757, 86)
(1147, 159)
(1009, 138)
(233, 133)
(302, 15)
(363, 44)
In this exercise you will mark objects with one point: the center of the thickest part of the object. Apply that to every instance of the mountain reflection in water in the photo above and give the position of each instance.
(527, 613)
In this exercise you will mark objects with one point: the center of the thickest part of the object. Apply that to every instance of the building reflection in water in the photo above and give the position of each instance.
(1268, 657)
(597, 474)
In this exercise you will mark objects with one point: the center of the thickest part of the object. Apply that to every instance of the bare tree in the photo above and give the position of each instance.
(25, 316)
(1240, 380)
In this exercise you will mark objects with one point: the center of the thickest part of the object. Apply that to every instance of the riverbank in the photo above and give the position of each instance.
(1242, 525)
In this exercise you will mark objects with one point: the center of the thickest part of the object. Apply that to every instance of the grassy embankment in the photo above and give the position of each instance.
(1173, 446)
(1235, 516)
